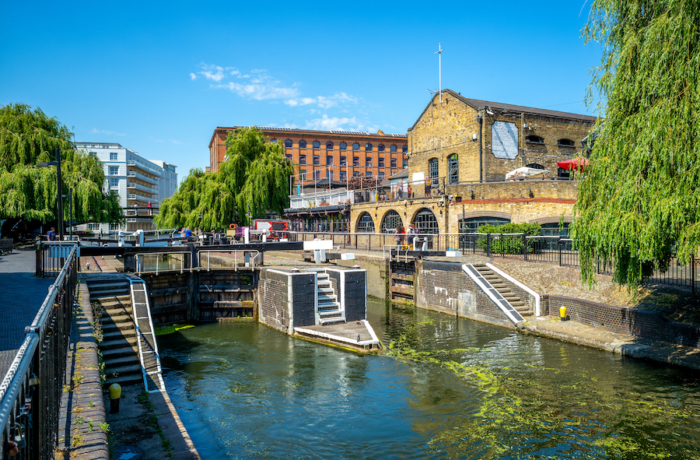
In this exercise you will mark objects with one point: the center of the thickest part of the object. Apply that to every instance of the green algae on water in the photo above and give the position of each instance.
(172, 328)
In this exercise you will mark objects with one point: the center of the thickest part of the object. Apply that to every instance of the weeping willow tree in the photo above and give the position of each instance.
(29, 137)
(254, 179)
(639, 200)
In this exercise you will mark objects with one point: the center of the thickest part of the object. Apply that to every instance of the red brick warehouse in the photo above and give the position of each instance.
(315, 154)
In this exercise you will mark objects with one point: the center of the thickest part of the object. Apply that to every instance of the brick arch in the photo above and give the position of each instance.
(499, 214)
(435, 212)
(550, 220)
(381, 220)
(357, 221)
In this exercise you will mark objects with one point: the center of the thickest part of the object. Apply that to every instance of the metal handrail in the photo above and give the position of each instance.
(235, 257)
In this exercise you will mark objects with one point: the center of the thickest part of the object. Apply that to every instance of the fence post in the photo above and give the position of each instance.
(39, 271)
(692, 272)
(560, 245)
(525, 246)
(488, 245)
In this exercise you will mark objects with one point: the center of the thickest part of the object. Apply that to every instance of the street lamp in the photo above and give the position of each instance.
(59, 195)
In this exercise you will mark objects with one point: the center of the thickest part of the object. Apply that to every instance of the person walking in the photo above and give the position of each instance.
(399, 236)
(411, 235)
(51, 234)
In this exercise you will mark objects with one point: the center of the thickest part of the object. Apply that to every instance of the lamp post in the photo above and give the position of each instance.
(59, 195)
(70, 204)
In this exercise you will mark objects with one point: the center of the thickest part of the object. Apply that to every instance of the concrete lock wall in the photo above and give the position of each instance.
(444, 287)
(355, 294)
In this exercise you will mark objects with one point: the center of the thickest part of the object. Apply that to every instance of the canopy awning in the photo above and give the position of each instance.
(524, 172)
(579, 164)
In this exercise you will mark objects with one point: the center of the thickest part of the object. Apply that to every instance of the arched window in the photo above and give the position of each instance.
(471, 225)
(356, 146)
(425, 222)
(380, 148)
(365, 224)
(404, 149)
(392, 148)
(288, 143)
(329, 145)
(566, 143)
(368, 147)
(553, 230)
(343, 146)
(534, 139)
(317, 145)
(273, 141)
(534, 166)
(433, 167)
(391, 221)
(453, 168)
(302, 144)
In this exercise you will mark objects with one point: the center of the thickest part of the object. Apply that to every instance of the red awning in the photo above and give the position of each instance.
(578, 164)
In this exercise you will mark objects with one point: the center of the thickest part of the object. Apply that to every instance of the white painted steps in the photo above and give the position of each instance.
(328, 307)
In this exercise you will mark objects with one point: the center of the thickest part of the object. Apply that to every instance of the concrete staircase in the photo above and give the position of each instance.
(111, 300)
(329, 309)
(498, 284)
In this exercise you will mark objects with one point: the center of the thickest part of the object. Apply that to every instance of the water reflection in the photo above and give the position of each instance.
(455, 388)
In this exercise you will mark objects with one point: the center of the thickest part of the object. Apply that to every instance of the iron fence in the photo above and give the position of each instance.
(51, 257)
(30, 394)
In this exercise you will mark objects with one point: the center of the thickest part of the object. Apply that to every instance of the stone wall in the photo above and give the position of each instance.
(273, 300)
(639, 323)
(444, 287)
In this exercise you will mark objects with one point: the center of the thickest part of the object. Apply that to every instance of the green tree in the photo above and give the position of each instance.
(639, 199)
(254, 178)
(29, 137)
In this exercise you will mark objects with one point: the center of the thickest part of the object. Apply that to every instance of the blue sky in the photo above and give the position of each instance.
(159, 77)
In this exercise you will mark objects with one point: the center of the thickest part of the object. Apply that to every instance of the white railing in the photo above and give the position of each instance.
(144, 167)
(314, 200)
(141, 176)
(144, 188)
(134, 196)
(248, 259)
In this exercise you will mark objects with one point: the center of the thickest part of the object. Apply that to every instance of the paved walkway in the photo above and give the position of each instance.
(22, 294)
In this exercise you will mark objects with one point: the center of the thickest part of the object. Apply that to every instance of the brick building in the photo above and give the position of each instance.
(460, 151)
(335, 155)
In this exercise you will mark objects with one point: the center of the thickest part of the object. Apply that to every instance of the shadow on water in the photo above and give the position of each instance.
(448, 388)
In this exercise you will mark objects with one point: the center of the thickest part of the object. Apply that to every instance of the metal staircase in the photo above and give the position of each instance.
(328, 309)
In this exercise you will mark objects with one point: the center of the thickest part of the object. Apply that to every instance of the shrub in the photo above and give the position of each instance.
(507, 244)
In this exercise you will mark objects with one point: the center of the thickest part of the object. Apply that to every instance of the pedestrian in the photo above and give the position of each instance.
(51, 234)
(410, 191)
(188, 234)
(399, 188)
(399, 236)
(411, 235)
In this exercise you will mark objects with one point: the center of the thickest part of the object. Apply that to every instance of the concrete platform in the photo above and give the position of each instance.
(357, 334)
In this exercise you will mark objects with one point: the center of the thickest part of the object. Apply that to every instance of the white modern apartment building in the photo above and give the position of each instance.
(140, 183)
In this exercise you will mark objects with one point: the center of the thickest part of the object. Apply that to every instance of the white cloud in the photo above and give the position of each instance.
(193, 76)
(175, 142)
(327, 123)
(324, 102)
(261, 87)
(109, 133)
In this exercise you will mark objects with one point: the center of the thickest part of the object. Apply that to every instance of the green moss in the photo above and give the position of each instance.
(165, 330)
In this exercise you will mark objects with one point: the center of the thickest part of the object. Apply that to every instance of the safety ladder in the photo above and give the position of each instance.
(148, 348)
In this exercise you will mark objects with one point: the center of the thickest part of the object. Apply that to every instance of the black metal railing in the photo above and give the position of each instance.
(30, 394)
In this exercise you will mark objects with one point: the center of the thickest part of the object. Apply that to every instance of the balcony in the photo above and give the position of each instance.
(136, 175)
(143, 188)
(142, 167)
(134, 196)
(326, 198)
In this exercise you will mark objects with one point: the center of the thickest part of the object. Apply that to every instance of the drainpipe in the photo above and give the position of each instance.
(481, 146)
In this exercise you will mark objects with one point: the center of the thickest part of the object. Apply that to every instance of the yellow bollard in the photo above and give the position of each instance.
(562, 313)
(115, 393)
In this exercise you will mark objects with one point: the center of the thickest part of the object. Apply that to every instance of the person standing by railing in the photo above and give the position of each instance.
(51, 234)
(399, 236)
(411, 235)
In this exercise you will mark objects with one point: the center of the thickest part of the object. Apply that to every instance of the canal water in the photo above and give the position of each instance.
(450, 388)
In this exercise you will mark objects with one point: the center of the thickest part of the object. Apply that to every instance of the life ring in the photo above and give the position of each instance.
(232, 226)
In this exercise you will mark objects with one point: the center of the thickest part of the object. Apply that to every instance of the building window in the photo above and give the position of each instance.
(302, 144)
(114, 182)
(114, 170)
(404, 149)
(113, 227)
(472, 225)
(453, 168)
(368, 147)
(391, 222)
(288, 157)
(317, 174)
(302, 159)
(380, 162)
(302, 174)
(113, 156)
(343, 176)
(380, 148)
(356, 146)
(365, 224)
(329, 160)
(368, 162)
(563, 173)
(434, 170)
(329, 145)
(93, 226)
(554, 230)
(534, 166)
(343, 146)
(317, 160)
(355, 173)
(534, 139)
(369, 174)
(425, 222)
(393, 162)
(392, 149)
(380, 175)
(356, 161)
(566, 143)
(317, 145)
(288, 143)
(405, 163)
(273, 141)
(343, 161)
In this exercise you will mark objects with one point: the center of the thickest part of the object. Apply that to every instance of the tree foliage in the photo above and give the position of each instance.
(29, 137)
(254, 178)
(639, 199)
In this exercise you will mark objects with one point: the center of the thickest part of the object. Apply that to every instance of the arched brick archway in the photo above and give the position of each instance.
(425, 221)
(365, 223)
(390, 220)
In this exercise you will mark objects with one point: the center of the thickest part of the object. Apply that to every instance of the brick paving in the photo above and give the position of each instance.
(22, 295)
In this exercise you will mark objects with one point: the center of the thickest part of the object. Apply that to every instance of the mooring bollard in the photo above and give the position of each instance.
(115, 392)
(562, 313)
